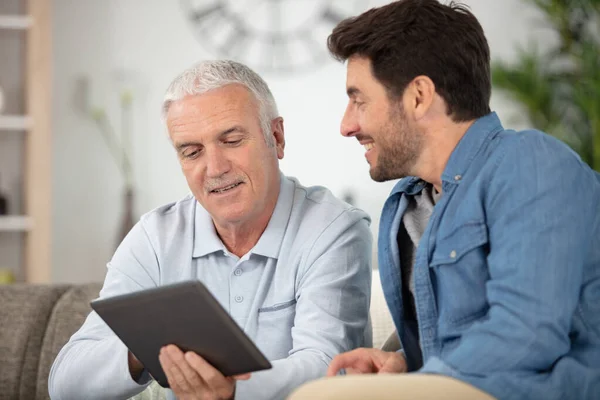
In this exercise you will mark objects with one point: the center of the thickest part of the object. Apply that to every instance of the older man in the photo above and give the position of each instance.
(291, 264)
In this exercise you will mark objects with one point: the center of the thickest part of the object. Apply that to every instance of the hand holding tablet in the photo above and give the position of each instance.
(185, 315)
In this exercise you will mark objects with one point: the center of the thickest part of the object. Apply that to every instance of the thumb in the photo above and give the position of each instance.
(394, 364)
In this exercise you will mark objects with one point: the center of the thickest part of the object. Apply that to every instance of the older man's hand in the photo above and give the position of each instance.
(193, 378)
(368, 361)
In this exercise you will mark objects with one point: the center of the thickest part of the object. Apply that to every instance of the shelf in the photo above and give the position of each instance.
(32, 31)
(15, 22)
(15, 223)
(14, 123)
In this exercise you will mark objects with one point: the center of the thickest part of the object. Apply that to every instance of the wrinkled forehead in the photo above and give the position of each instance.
(213, 112)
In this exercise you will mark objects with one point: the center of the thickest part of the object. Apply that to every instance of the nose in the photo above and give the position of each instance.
(349, 126)
(217, 163)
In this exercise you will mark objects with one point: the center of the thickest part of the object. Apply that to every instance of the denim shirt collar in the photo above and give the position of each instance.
(206, 240)
(469, 145)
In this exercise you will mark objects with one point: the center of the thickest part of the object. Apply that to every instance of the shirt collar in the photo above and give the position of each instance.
(482, 130)
(206, 240)
(469, 145)
(410, 185)
(270, 241)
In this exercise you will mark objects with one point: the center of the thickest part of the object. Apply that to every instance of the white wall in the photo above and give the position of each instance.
(152, 39)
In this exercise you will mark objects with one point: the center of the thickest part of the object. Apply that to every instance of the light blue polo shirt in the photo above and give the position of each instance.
(301, 294)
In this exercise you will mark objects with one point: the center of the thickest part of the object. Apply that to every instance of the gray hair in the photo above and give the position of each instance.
(214, 74)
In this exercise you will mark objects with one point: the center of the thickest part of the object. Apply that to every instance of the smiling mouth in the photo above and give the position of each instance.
(226, 188)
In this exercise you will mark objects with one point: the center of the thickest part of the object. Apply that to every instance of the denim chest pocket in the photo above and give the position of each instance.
(459, 274)
(274, 329)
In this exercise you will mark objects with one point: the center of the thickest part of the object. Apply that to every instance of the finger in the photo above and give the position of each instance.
(216, 382)
(359, 360)
(188, 378)
(352, 371)
(175, 377)
(242, 377)
(344, 360)
(195, 381)
(394, 364)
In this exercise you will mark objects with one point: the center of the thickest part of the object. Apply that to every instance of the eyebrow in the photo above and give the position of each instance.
(235, 128)
(352, 91)
(185, 145)
(226, 132)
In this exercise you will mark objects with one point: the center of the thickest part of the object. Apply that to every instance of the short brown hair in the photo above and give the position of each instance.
(408, 38)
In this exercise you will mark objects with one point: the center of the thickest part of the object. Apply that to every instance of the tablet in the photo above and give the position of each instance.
(184, 314)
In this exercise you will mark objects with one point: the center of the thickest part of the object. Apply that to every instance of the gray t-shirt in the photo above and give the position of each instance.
(414, 221)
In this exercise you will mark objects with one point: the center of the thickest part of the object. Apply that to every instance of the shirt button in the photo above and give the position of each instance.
(237, 272)
(453, 254)
(239, 299)
(457, 177)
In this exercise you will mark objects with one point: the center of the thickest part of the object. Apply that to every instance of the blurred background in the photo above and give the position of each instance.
(83, 151)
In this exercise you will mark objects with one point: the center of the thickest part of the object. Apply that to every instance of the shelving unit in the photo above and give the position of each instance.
(15, 223)
(15, 22)
(35, 125)
(15, 123)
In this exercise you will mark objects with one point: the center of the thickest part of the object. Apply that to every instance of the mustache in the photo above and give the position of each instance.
(218, 183)
(362, 136)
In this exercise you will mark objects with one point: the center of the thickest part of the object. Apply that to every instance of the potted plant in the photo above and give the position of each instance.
(559, 88)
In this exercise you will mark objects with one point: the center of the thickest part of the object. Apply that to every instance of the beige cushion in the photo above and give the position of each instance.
(388, 387)
(381, 318)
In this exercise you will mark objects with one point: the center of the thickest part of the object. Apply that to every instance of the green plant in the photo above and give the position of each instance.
(559, 88)
(120, 146)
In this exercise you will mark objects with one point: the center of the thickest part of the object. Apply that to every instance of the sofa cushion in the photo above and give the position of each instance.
(67, 317)
(24, 315)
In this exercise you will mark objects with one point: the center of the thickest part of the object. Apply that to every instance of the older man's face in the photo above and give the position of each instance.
(226, 161)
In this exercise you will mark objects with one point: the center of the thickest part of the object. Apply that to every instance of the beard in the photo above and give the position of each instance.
(398, 148)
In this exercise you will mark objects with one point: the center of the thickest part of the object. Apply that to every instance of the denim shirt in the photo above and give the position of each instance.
(507, 273)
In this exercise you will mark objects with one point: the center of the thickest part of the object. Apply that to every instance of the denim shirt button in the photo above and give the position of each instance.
(457, 178)
(453, 254)
(429, 333)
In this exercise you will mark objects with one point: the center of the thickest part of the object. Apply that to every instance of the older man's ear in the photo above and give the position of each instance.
(278, 136)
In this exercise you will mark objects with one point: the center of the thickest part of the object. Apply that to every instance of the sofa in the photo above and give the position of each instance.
(37, 320)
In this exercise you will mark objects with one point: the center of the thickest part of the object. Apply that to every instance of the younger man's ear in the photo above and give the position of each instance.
(420, 93)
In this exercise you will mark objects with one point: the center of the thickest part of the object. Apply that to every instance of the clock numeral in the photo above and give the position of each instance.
(332, 16)
(311, 45)
(208, 12)
(279, 53)
(235, 43)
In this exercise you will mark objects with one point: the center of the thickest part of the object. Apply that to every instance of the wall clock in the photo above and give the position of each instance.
(269, 35)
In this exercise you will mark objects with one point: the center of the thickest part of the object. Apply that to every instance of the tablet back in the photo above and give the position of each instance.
(186, 315)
